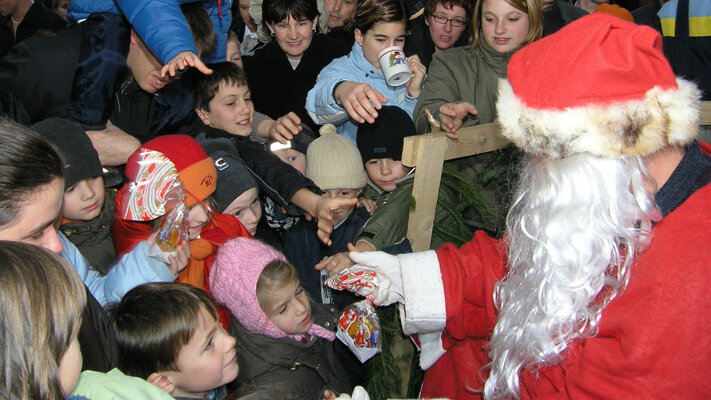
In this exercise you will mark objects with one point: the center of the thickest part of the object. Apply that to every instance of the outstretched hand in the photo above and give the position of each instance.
(178, 262)
(285, 127)
(360, 100)
(451, 116)
(183, 60)
(324, 207)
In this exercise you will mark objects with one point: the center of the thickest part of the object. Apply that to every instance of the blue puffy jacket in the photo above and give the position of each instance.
(160, 23)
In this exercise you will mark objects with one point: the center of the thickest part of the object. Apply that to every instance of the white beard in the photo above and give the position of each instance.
(575, 228)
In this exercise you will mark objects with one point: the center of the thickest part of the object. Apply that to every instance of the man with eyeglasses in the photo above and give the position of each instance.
(442, 25)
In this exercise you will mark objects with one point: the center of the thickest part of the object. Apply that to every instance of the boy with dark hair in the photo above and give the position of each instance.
(169, 334)
(223, 100)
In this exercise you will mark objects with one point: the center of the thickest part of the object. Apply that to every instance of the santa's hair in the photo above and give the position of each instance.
(573, 233)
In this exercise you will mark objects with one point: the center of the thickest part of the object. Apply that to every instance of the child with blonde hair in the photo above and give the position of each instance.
(39, 344)
(273, 311)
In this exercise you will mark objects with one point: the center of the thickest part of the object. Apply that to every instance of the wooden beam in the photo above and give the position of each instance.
(429, 158)
(705, 116)
(472, 140)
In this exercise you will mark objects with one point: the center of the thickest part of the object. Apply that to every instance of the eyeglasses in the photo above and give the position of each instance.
(441, 19)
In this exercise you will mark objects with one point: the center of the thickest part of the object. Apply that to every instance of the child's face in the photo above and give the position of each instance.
(503, 26)
(233, 53)
(247, 208)
(70, 367)
(384, 172)
(294, 158)
(290, 309)
(230, 110)
(379, 37)
(342, 212)
(198, 216)
(84, 200)
(206, 362)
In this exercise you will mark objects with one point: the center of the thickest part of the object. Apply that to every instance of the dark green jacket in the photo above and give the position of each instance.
(459, 75)
(93, 238)
(388, 225)
(303, 370)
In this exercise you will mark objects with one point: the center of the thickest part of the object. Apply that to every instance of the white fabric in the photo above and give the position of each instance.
(430, 349)
(425, 310)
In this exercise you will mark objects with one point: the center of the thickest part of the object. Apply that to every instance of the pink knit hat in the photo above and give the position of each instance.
(233, 281)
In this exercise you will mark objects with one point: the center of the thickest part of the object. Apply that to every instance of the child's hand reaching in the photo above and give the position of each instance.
(451, 116)
(183, 60)
(324, 207)
(285, 127)
(360, 100)
(369, 204)
(336, 263)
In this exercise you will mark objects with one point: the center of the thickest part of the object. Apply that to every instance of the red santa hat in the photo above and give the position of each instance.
(600, 85)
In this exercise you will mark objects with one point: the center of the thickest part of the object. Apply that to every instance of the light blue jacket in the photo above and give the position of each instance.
(321, 105)
(161, 24)
(131, 270)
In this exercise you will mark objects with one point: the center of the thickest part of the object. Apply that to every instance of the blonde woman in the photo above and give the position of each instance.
(461, 85)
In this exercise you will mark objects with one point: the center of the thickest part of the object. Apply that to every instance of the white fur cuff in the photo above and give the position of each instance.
(423, 289)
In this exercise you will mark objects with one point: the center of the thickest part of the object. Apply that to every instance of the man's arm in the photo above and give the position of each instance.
(113, 144)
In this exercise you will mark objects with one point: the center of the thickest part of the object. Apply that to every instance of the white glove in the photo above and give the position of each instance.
(388, 289)
(358, 394)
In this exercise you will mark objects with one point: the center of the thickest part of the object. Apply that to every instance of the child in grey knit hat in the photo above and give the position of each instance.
(88, 207)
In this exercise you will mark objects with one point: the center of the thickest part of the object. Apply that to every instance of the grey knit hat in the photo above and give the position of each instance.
(233, 177)
(334, 162)
(81, 161)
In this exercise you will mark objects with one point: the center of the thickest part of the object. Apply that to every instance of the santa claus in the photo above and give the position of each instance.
(600, 288)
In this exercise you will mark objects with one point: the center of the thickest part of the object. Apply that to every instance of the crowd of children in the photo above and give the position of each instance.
(250, 167)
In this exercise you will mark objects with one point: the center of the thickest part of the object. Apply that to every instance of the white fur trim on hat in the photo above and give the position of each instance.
(628, 128)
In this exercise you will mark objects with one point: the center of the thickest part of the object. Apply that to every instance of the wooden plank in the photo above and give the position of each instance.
(429, 159)
(475, 140)
(472, 140)
(705, 116)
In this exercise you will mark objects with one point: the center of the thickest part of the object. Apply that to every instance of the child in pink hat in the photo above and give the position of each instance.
(284, 339)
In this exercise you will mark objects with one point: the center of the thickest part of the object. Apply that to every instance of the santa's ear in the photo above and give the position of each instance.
(161, 381)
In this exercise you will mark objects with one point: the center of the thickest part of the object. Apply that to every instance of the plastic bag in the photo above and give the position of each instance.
(359, 329)
(172, 231)
(359, 279)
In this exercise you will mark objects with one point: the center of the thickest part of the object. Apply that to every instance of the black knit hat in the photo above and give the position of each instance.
(81, 161)
(384, 137)
(233, 177)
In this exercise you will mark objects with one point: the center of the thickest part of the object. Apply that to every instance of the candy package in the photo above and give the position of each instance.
(359, 329)
(359, 279)
(172, 231)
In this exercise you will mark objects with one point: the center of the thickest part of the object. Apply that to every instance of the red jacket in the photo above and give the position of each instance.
(654, 340)
(221, 228)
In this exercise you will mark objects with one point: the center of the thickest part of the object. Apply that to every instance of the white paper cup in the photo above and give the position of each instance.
(394, 66)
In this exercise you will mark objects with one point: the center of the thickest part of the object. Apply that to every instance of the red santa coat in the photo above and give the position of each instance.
(654, 339)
